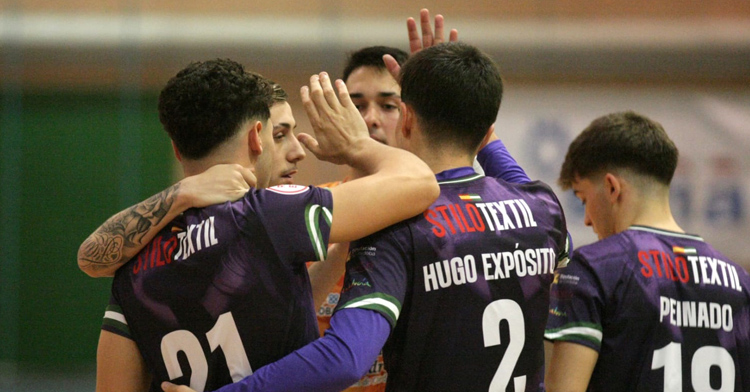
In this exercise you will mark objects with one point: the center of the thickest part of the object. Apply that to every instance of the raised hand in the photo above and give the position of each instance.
(339, 128)
(428, 38)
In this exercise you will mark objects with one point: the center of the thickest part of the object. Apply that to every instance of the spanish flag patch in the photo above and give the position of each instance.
(470, 197)
(684, 251)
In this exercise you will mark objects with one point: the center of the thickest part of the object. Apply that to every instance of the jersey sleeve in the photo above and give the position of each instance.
(297, 220)
(576, 305)
(114, 320)
(376, 274)
(497, 162)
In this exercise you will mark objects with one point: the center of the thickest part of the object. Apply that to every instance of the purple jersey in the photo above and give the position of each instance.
(224, 289)
(465, 285)
(665, 311)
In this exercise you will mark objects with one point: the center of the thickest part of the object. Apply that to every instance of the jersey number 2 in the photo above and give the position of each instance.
(224, 334)
(494, 313)
(670, 358)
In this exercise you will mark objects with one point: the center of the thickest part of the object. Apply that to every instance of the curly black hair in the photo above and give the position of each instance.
(207, 102)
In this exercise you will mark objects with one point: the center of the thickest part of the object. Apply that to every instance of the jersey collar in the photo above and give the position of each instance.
(458, 174)
(666, 232)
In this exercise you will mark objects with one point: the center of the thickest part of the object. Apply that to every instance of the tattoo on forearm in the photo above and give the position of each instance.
(108, 245)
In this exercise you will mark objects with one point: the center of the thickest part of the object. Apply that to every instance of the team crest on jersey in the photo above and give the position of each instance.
(289, 189)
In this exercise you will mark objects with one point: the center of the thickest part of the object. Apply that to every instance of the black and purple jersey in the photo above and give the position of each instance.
(465, 285)
(665, 311)
(224, 290)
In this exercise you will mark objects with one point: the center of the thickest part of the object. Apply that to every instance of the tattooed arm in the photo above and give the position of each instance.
(124, 234)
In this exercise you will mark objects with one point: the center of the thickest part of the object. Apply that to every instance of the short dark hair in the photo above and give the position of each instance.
(279, 94)
(372, 56)
(625, 140)
(455, 90)
(206, 103)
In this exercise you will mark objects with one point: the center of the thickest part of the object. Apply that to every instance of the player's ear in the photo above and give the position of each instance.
(407, 114)
(176, 152)
(254, 142)
(613, 187)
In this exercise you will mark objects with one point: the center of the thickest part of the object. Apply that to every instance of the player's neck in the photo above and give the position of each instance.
(651, 211)
(193, 167)
(440, 164)
(441, 159)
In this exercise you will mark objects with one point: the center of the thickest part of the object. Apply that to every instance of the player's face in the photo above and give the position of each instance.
(287, 150)
(597, 209)
(377, 95)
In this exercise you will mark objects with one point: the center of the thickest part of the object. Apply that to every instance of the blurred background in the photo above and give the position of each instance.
(80, 138)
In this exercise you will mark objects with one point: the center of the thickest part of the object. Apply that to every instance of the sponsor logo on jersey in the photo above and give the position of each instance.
(197, 237)
(161, 251)
(363, 282)
(289, 189)
(656, 264)
(478, 217)
(568, 279)
(157, 253)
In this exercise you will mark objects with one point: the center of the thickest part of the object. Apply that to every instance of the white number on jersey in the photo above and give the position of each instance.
(670, 358)
(505, 309)
(224, 334)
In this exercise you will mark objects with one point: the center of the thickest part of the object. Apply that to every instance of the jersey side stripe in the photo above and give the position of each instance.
(378, 302)
(312, 213)
(327, 215)
(113, 318)
(592, 334)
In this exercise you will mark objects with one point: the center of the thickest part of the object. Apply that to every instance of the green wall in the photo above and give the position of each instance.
(67, 162)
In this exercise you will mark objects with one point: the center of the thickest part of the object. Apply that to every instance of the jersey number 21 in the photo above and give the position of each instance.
(224, 334)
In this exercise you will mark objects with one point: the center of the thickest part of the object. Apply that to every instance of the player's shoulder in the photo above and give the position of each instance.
(288, 189)
(612, 249)
(534, 189)
(331, 184)
(277, 202)
(401, 232)
(285, 193)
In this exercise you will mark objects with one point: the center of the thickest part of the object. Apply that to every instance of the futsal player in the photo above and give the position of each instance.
(648, 307)
(126, 233)
(377, 95)
(223, 290)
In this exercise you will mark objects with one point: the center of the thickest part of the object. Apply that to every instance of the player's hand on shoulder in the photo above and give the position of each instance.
(339, 128)
(218, 184)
